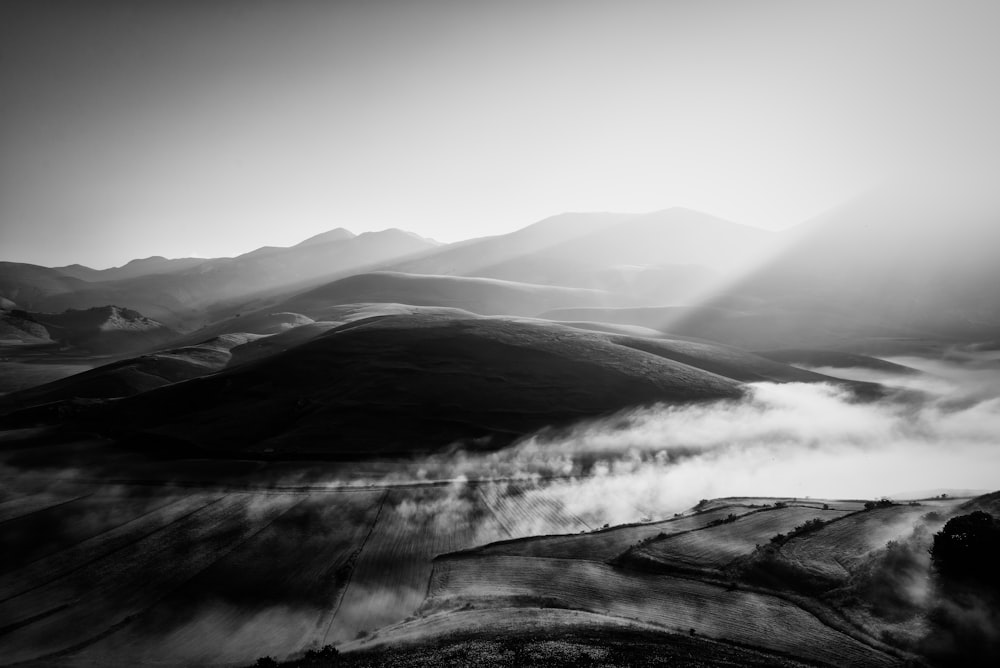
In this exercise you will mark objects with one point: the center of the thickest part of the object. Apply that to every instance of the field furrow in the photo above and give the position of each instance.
(831, 551)
(528, 511)
(390, 578)
(607, 543)
(88, 602)
(252, 600)
(32, 503)
(57, 528)
(54, 566)
(715, 546)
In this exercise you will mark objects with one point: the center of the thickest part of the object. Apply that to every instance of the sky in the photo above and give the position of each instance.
(210, 128)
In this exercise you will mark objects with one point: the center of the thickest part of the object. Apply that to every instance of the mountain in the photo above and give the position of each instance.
(468, 258)
(338, 234)
(187, 293)
(661, 257)
(142, 267)
(29, 286)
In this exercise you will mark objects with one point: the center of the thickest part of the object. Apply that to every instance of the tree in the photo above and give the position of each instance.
(967, 551)
(964, 624)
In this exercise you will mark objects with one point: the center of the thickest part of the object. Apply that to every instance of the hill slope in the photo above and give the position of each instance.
(919, 256)
(409, 382)
(477, 295)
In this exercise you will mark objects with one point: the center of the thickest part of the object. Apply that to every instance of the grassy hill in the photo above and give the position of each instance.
(410, 382)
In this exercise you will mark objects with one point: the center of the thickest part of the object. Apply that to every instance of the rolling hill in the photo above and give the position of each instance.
(411, 382)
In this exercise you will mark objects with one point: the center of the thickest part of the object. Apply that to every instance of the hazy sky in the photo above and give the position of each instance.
(170, 127)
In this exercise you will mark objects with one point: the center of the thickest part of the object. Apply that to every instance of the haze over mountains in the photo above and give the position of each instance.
(881, 267)
(187, 292)
(669, 287)
(379, 431)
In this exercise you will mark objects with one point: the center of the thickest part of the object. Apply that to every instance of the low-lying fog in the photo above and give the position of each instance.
(934, 430)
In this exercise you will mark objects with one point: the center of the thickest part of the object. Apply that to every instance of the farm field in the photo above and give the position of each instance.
(55, 528)
(139, 573)
(674, 604)
(190, 568)
(21, 506)
(527, 511)
(76, 608)
(275, 594)
(762, 501)
(18, 375)
(389, 582)
(606, 544)
(829, 552)
(50, 568)
(715, 546)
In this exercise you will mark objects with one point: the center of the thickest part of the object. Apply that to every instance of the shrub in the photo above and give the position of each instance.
(806, 527)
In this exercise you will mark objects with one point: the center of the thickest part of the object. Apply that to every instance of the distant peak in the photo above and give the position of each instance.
(338, 234)
(146, 260)
(396, 232)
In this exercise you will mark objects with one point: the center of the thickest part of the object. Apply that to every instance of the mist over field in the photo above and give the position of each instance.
(789, 440)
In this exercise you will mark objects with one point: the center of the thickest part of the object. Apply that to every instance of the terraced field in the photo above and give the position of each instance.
(674, 604)
(607, 543)
(715, 546)
(761, 501)
(169, 576)
(830, 552)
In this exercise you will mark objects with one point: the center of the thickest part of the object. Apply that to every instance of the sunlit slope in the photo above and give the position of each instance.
(670, 254)
(478, 295)
(630, 251)
(837, 360)
(911, 255)
(469, 258)
(399, 383)
(756, 324)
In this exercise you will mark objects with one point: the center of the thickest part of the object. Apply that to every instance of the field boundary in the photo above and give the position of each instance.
(354, 560)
